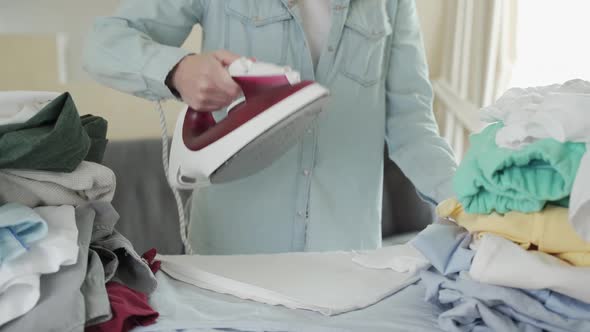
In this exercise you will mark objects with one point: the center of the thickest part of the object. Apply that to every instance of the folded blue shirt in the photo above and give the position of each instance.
(473, 306)
(483, 307)
(20, 226)
(446, 246)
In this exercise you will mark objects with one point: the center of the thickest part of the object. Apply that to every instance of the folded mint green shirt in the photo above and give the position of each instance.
(325, 193)
(493, 178)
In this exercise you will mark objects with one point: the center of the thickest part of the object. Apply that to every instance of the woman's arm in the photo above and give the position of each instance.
(135, 50)
(411, 129)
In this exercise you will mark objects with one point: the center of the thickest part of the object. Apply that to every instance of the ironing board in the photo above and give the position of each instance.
(187, 308)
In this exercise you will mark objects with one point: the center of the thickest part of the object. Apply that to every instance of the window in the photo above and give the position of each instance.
(553, 43)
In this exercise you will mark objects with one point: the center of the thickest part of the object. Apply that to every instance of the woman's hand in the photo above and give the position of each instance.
(203, 82)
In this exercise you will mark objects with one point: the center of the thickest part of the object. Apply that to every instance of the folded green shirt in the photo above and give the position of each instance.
(55, 139)
(96, 128)
(492, 178)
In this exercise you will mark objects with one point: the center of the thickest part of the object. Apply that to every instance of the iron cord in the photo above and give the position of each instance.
(184, 224)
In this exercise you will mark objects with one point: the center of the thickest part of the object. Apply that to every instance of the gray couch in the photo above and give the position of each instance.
(149, 215)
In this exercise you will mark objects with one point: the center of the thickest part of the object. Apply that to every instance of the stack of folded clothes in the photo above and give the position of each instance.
(63, 266)
(512, 251)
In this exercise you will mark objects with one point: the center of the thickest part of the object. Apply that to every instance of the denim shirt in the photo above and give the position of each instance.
(325, 193)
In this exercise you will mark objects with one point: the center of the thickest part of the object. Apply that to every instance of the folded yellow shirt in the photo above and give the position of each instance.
(548, 230)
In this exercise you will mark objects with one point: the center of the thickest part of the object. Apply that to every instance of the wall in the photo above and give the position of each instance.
(432, 21)
(29, 62)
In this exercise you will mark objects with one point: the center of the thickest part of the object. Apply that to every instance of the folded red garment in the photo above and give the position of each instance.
(150, 257)
(130, 309)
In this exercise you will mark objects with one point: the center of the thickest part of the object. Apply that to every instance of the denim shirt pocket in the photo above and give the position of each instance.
(365, 42)
(257, 29)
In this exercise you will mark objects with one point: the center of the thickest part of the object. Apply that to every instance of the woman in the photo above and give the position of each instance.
(324, 194)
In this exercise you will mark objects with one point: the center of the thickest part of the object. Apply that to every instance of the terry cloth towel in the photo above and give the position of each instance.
(337, 285)
(88, 182)
(20, 227)
(491, 178)
(52, 140)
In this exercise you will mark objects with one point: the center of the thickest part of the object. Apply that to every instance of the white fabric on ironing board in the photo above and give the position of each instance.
(400, 258)
(501, 262)
(329, 283)
(20, 106)
(183, 306)
(561, 112)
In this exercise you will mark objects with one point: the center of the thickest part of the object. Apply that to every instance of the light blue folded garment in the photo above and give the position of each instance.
(20, 227)
(475, 306)
(469, 305)
(446, 246)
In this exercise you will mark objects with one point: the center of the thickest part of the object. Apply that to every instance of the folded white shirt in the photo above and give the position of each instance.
(19, 278)
(20, 106)
(330, 283)
(501, 262)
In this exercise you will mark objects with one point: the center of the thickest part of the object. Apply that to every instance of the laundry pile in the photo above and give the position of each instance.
(63, 266)
(512, 250)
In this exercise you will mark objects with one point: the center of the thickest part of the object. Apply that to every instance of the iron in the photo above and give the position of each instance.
(276, 110)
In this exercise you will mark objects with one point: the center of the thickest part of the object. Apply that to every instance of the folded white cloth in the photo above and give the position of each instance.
(562, 116)
(89, 182)
(517, 105)
(19, 278)
(561, 112)
(401, 258)
(501, 262)
(20, 106)
(555, 111)
(330, 283)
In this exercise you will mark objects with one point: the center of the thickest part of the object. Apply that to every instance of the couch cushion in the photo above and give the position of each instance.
(149, 217)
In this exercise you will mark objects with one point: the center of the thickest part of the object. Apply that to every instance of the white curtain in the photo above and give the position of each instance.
(477, 58)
